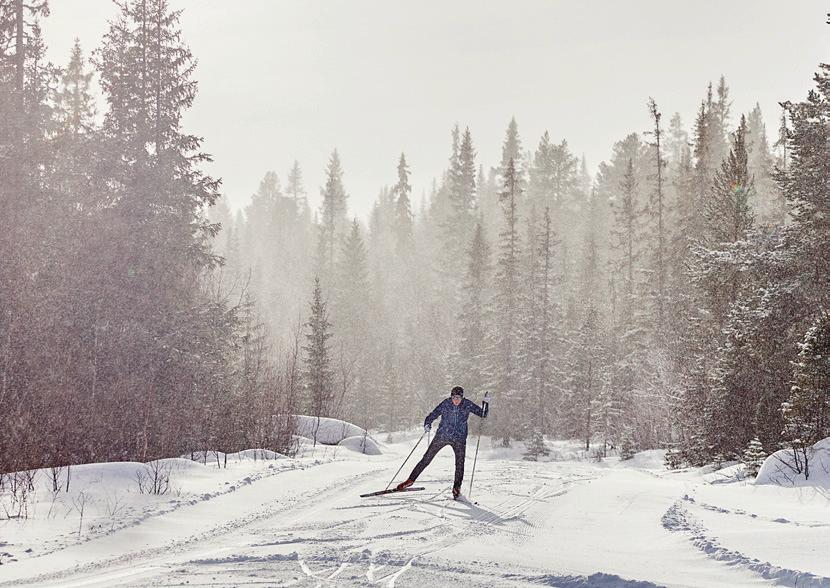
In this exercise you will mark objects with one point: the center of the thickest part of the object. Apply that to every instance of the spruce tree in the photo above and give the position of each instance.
(332, 217)
(157, 194)
(807, 410)
(506, 304)
(403, 210)
(542, 321)
(75, 105)
(318, 369)
(768, 201)
(470, 361)
(728, 211)
(512, 149)
(657, 211)
(353, 291)
(753, 457)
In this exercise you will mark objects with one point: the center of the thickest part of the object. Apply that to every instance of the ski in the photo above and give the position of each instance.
(391, 490)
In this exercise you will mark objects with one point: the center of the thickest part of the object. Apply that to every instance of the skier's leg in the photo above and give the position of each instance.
(436, 444)
(460, 449)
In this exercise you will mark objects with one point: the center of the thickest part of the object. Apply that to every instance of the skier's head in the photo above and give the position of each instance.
(456, 394)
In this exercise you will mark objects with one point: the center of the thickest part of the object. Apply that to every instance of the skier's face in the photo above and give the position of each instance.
(456, 400)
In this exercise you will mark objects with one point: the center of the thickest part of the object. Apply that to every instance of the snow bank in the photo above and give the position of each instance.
(328, 431)
(255, 454)
(784, 468)
(361, 443)
(218, 457)
(650, 459)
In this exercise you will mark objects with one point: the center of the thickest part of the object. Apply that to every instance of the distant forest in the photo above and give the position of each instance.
(677, 299)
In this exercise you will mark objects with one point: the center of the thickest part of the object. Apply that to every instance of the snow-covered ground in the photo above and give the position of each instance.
(567, 522)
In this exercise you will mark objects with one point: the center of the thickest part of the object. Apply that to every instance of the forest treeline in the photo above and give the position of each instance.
(676, 299)
(117, 339)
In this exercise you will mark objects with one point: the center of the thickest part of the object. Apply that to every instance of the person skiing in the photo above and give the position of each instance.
(452, 431)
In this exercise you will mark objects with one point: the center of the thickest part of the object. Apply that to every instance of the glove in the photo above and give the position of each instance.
(427, 427)
(487, 399)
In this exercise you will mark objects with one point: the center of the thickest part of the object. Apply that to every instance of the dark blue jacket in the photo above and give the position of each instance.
(454, 418)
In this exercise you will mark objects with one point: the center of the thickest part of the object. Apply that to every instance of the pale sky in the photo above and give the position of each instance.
(292, 79)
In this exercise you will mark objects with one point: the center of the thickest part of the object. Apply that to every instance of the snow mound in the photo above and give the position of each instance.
(786, 468)
(362, 444)
(650, 459)
(328, 431)
(255, 454)
(729, 474)
(218, 457)
(117, 475)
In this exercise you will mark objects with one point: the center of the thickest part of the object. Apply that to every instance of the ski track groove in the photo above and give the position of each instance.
(678, 519)
(94, 533)
(178, 546)
(507, 516)
(742, 513)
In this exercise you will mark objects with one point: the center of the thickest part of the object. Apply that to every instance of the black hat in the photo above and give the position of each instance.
(457, 391)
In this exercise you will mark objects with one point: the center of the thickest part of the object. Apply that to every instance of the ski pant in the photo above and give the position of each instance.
(459, 446)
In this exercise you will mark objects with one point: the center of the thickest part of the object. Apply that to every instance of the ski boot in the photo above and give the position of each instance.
(404, 485)
(456, 492)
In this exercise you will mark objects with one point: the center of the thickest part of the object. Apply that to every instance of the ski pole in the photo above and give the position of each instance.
(406, 460)
(484, 403)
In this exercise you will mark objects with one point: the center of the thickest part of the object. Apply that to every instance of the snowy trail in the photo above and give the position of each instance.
(567, 523)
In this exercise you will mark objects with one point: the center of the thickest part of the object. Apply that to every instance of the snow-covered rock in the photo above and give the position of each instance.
(327, 431)
(362, 444)
(785, 468)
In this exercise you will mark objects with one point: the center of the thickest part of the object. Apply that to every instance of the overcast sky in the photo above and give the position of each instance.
(292, 79)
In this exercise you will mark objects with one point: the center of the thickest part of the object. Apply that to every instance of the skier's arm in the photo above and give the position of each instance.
(478, 410)
(433, 415)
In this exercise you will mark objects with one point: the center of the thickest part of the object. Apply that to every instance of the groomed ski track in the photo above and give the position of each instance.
(569, 524)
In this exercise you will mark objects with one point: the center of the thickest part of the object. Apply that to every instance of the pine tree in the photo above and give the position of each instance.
(728, 219)
(586, 377)
(677, 141)
(403, 210)
(75, 105)
(627, 447)
(807, 192)
(474, 333)
(462, 199)
(543, 316)
(717, 117)
(728, 212)
(630, 370)
(154, 219)
(353, 292)
(318, 371)
(512, 149)
(753, 457)
(768, 202)
(536, 447)
(626, 235)
(332, 217)
(722, 105)
(295, 187)
(807, 410)
(657, 212)
(506, 342)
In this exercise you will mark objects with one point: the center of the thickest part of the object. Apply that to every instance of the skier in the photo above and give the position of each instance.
(452, 431)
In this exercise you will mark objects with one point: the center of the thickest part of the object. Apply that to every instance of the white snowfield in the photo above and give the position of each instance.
(568, 522)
